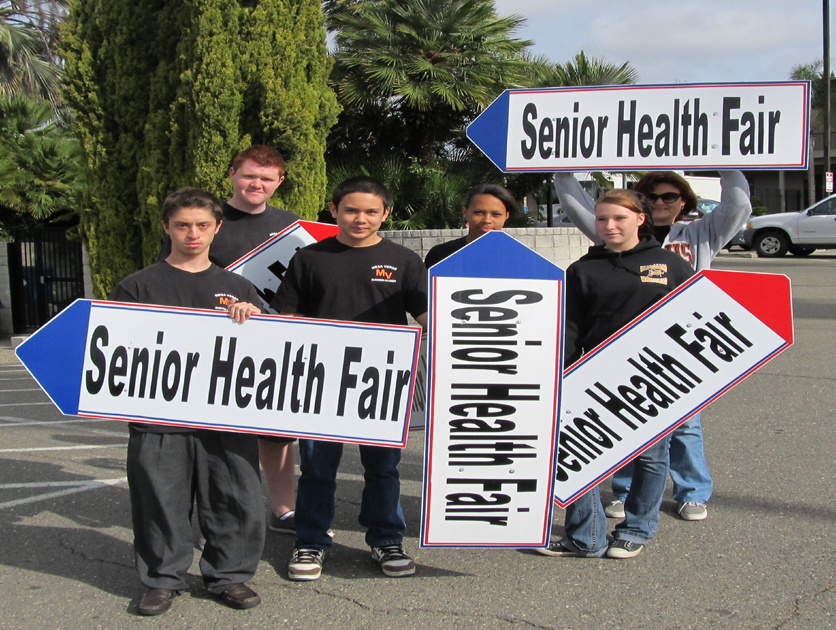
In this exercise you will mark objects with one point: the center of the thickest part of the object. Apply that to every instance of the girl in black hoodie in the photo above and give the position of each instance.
(606, 289)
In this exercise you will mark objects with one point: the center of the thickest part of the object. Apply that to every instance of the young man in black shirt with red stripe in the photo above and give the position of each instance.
(356, 276)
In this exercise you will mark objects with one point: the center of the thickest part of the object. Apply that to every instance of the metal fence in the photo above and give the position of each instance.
(771, 198)
(46, 274)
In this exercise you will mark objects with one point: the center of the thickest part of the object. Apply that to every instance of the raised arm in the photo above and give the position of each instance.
(577, 204)
(719, 226)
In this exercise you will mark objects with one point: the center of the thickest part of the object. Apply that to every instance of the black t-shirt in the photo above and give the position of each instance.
(660, 232)
(164, 285)
(442, 251)
(241, 233)
(379, 284)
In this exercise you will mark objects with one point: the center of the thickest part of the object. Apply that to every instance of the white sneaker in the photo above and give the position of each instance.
(615, 509)
(306, 564)
(393, 560)
(693, 511)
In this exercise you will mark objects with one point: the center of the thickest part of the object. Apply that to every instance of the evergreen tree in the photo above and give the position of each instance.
(166, 92)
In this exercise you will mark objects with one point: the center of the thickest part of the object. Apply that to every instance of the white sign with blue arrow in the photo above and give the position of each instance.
(296, 377)
(495, 359)
(647, 127)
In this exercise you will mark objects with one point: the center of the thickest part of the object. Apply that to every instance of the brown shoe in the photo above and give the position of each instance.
(156, 601)
(240, 596)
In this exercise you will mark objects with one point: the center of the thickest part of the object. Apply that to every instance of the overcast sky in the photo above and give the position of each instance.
(669, 41)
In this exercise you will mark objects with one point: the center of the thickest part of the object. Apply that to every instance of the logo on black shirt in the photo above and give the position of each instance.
(224, 300)
(654, 273)
(383, 273)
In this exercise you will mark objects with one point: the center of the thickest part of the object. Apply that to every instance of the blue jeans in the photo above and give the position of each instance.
(380, 507)
(688, 468)
(647, 487)
(585, 525)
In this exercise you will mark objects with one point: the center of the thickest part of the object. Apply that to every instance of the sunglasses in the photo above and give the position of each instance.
(668, 197)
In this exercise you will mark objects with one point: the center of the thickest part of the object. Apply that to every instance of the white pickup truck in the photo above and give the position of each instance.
(800, 233)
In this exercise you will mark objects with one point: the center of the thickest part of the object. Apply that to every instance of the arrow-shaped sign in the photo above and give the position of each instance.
(663, 367)
(266, 264)
(648, 127)
(495, 360)
(297, 377)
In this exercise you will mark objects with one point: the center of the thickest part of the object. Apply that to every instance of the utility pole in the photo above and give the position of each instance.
(826, 59)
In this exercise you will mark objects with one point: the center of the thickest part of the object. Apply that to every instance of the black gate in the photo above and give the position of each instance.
(46, 274)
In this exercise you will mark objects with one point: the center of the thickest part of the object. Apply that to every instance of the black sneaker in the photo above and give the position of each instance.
(393, 560)
(285, 524)
(556, 548)
(622, 549)
(306, 564)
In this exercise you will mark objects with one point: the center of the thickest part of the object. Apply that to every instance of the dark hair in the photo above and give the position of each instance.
(261, 155)
(493, 190)
(191, 198)
(648, 183)
(361, 184)
(634, 201)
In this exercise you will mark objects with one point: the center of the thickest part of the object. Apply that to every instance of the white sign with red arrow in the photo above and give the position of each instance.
(659, 370)
(266, 264)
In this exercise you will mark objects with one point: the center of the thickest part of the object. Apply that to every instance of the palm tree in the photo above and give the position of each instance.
(579, 71)
(40, 163)
(813, 72)
(415, 72)
(29, 62)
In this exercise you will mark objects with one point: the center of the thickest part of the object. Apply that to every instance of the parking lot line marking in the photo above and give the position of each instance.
(34, 389)
(21, 422)
(90, 485)
(24, 404)
(22, 378)
(59, 484)
(59, 448)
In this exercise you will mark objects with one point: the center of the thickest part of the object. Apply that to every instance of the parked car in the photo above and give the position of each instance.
(704, 206)
(558, 220)
(799, 233)
(739, 240)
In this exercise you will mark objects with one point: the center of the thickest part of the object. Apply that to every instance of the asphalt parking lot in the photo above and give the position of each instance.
(764, 559)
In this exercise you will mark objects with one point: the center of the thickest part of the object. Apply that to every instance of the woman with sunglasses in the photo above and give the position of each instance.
(606, 289)
(698, 242)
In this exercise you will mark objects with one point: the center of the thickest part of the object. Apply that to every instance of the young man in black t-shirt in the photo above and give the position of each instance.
(169, 467)
(356, 276)
(248, 221)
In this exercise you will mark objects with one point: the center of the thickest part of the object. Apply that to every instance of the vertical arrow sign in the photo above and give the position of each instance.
(495, 357)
